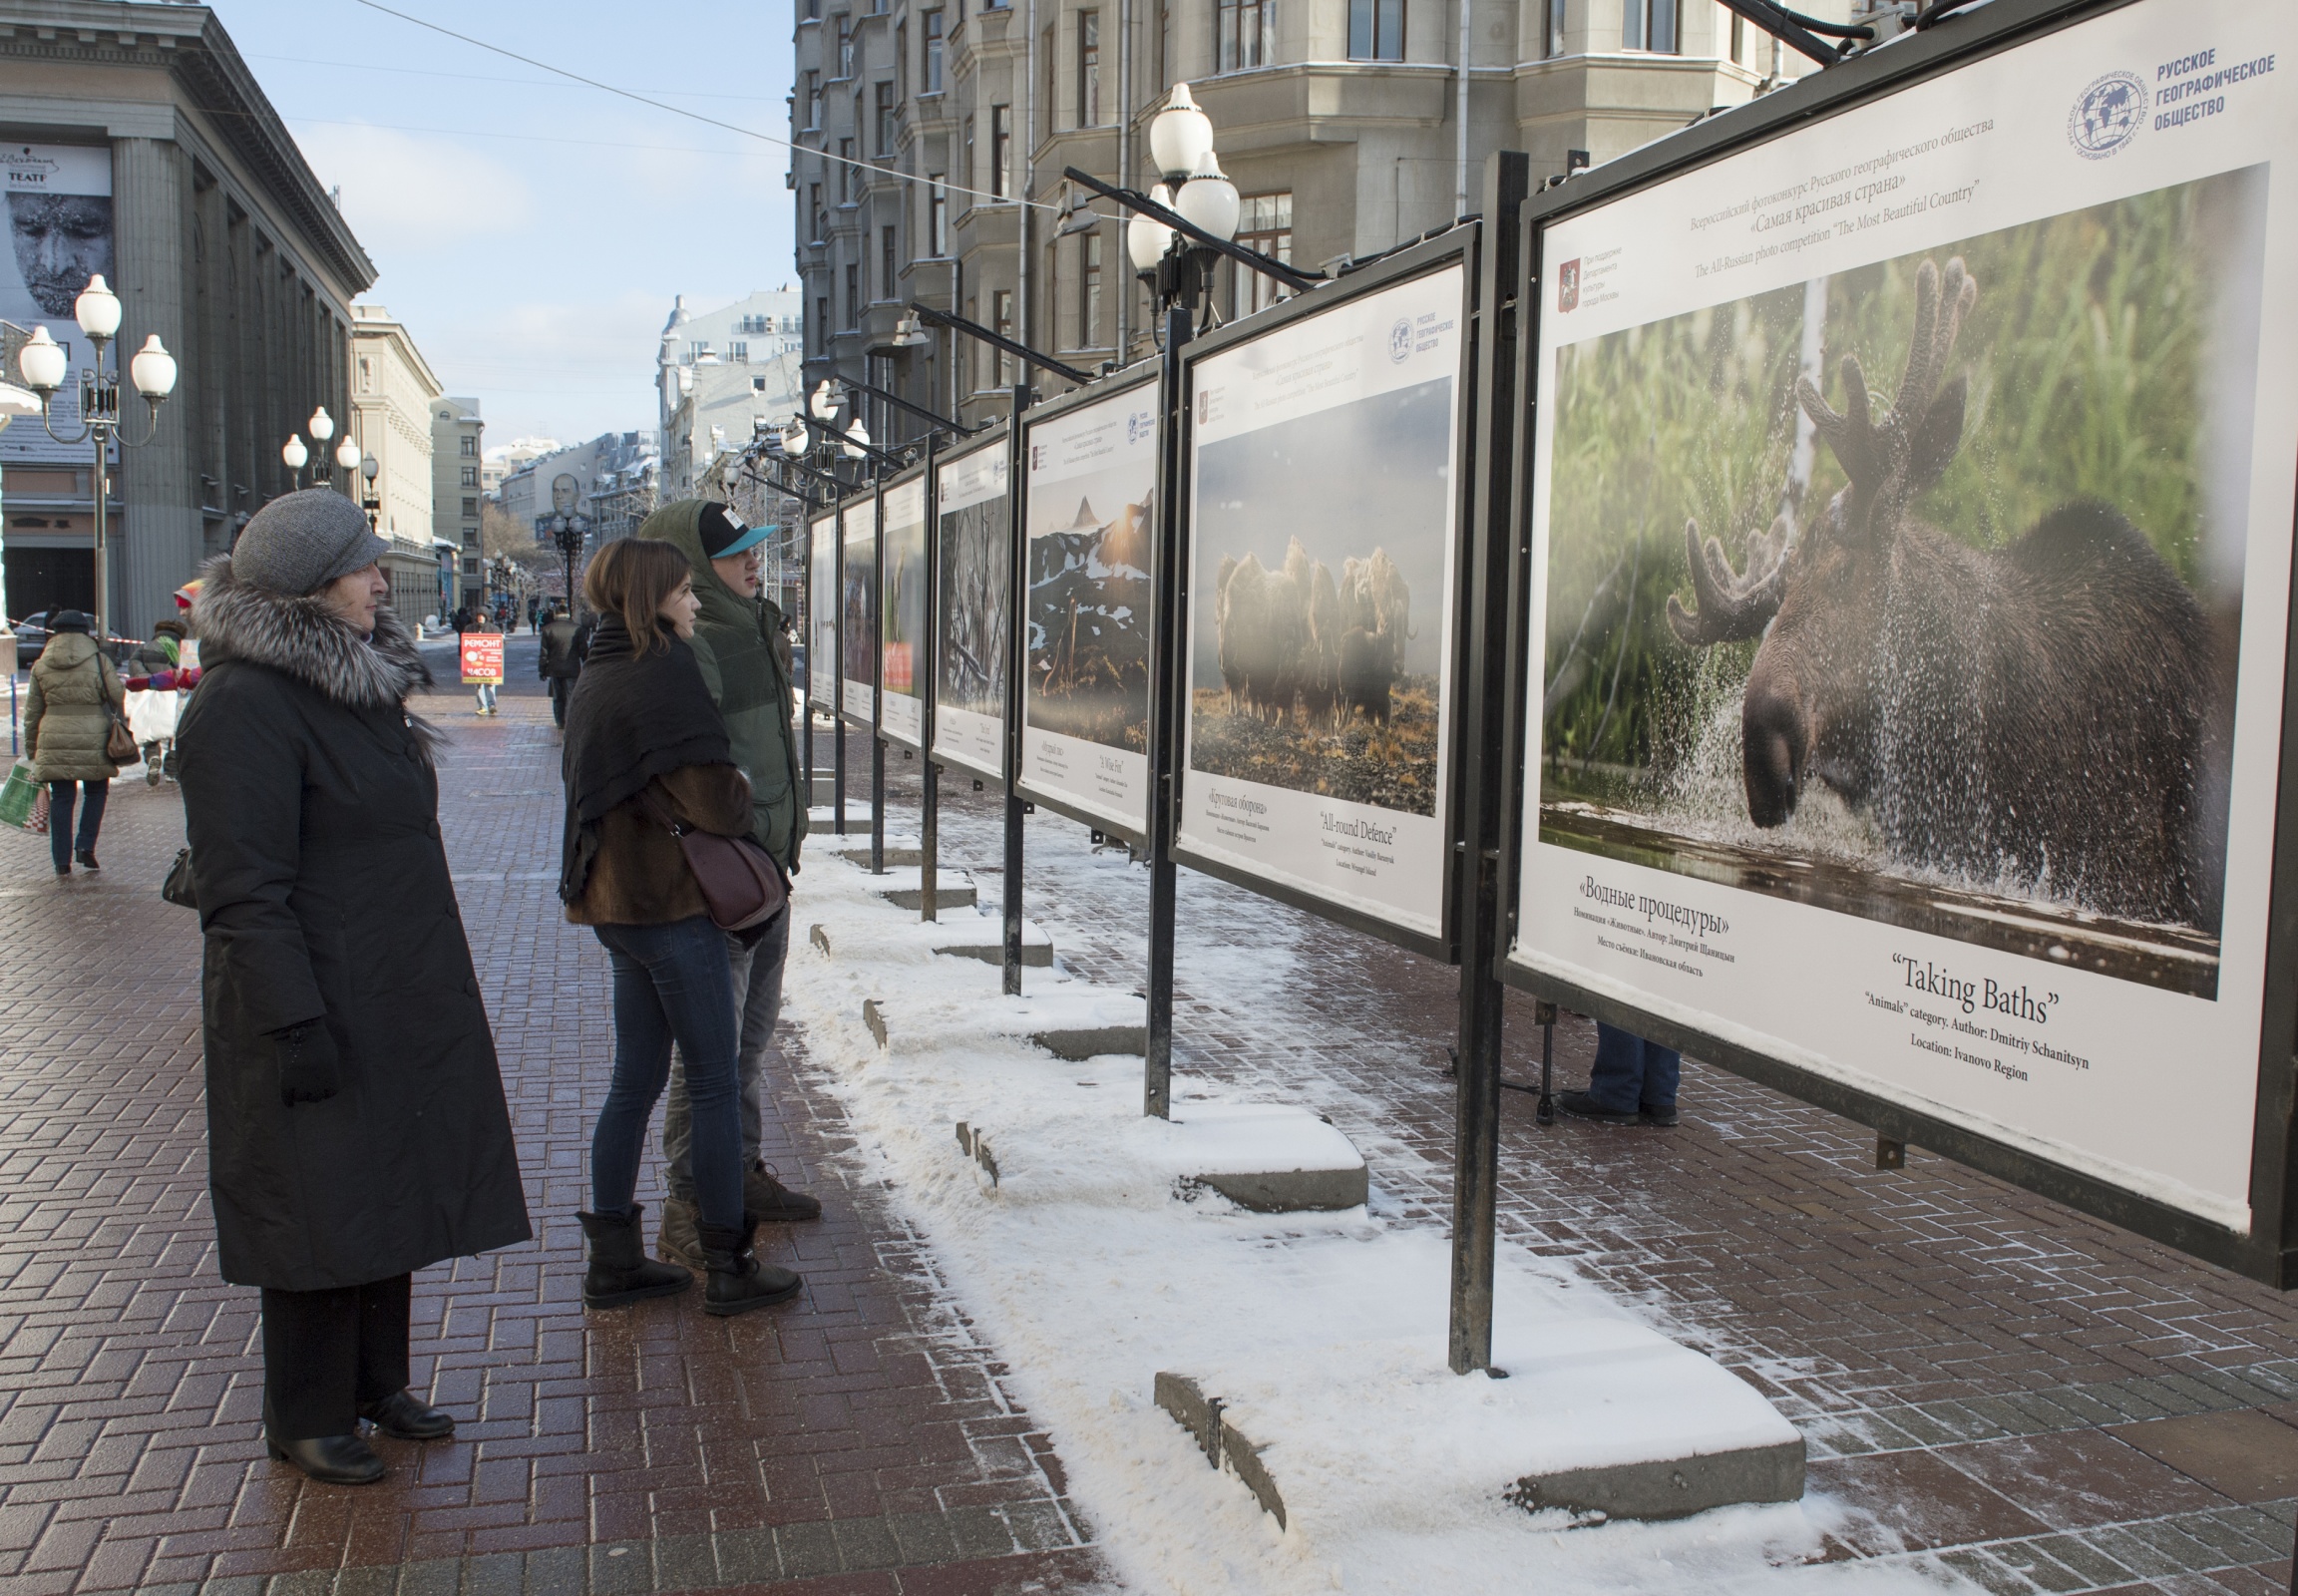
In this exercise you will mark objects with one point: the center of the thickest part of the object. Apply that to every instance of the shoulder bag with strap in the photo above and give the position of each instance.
(742, 884)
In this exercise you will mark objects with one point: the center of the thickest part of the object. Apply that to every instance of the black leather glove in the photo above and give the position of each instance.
(310, 1069)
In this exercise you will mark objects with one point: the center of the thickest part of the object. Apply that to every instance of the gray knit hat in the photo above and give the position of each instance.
(300, 541)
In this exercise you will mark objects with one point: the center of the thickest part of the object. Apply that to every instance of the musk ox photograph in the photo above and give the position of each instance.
(822, 611)
(1089, 615)
(1914, 593)
(974, 637)
(857, 624)
(1317, 601)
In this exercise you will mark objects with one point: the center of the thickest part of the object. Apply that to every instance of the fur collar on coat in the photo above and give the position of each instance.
(303, 639)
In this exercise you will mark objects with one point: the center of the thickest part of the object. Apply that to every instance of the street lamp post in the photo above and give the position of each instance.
(152, 370)
(369, 468)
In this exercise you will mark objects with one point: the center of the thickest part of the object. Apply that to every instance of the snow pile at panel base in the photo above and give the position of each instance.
(1089, 1275)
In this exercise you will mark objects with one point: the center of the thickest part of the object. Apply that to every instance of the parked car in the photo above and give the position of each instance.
(30, 638)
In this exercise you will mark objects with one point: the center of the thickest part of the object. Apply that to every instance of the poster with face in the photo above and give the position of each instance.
(59, 232)
(973, 611)
(1911, 532)
(1091, 513)
(1322, 515)
(858, 610)
(822, 596)
(902, 615)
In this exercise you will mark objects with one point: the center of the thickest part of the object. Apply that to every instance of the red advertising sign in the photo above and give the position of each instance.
(483, 656)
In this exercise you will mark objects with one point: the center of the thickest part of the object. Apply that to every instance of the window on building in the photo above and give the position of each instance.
(902, 57)
(887, 264)
(1648, 25)
(932, 22)
(1089, 69)
(885, 119)
(470, 506)
(822, 323)
(810, 10)
(1263, 223)
(846, 173)
(1051, 76)
(1089, 290)
(470, 447)
(470, 476)
(1375, 30)
(1002, 311)
(1552, 29)
(1244, 33)
(812, 101)
(470, 569)
(852, 296)
(973, 172)
(736, 350)
(844, 45)
(366, 374)
(1001, 183)
(757, 384)
(936, 216)
(817, 225)
(471, 535)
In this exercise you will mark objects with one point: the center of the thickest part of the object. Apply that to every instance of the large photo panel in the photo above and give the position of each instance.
(822, 600)
(901, 615)
(1322, 517)
(1911, 525)
(59, 232)
(858, 608)
(973, 609)
(1092, 517)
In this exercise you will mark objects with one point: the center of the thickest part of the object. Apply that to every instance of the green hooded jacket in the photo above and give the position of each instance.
(745, 659)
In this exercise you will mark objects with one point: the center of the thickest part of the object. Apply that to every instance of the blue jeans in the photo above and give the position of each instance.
(671, 985)
(757, 973)
(1631, 1073)
(60, 838)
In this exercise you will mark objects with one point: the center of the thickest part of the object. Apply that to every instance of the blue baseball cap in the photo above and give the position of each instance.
(723, 534)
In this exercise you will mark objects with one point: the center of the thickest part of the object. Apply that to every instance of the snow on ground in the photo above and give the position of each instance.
(1090, 1269)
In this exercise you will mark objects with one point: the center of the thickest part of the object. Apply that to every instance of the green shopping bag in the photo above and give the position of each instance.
(17, 796)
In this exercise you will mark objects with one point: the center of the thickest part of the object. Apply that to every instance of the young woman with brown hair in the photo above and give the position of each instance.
(646, 749)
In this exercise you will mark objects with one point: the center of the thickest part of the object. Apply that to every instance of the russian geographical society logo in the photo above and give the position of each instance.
(1139, 425)
(2108, 115)
(1037, 456)
(1568, 287)
(1204, 406)
(1400, 339)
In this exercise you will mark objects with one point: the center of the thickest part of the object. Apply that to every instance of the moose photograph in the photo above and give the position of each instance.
(1089, 610)
(822, 611)
(974, 575)
(1317, 601)
(1915, 593)
(857, 624)
(902, 593)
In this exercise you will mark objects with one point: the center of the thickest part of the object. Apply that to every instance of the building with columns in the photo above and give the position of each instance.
(190, 194)
(919, 128)
(393, 395)
(458, 450)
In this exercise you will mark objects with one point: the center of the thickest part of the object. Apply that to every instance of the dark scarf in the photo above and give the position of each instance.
(631, 719)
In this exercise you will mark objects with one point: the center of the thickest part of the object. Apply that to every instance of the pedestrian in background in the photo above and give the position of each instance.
(356, 1126)
(67, 727)
(745, 662)
(646, 752)
(484, 624)
(565, 641)
(1632, 1081)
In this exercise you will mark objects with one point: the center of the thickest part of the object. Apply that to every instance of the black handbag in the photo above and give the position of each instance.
(176, 889)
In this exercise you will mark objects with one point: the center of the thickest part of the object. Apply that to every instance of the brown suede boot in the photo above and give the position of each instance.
(770, 1202)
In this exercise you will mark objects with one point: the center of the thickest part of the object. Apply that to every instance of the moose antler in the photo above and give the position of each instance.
(1910, 444)
(1732, 606)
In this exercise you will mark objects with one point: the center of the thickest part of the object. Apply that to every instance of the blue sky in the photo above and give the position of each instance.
(531, 232)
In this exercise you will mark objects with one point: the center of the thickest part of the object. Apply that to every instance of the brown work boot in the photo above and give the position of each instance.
(678, 1242)
(769, 1202)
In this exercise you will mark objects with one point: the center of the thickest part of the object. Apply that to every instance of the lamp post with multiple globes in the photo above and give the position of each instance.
(45, 365)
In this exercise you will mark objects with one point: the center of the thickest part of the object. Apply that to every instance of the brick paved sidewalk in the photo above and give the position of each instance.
(1987, 1381)
(857, 1441)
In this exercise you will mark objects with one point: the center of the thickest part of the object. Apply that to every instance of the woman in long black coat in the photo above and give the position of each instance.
(356, 1124)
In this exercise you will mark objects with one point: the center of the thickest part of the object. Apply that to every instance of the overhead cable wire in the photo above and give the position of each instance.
(697, 116)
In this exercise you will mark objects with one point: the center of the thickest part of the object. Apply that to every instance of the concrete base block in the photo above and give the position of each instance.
(875, 1018)
(952, 891)
(1095, 1041)
(1294, 1191)
(896, 858)
(819, 937)
(1671, 1487)
(1223, 1444)
(1034, 954)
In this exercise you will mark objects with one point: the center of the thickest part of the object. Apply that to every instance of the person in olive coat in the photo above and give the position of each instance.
(356, 1123)
(67, 726)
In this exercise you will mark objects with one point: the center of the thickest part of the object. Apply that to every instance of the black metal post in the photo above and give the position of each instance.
(1016, 684)
(838, 680)
(877, 803)
(1482, 730)
(929, 776)
(1544, 1015)
(929, 841)
(1167, 684)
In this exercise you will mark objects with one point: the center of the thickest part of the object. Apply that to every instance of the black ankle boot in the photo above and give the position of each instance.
(621, 1271)
(738, 1281)
(329, 1459)
(407, 1416)
(86, 858)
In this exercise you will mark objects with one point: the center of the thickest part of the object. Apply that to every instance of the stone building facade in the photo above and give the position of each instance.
(458, 450)
(222, 242)
(393, 395)
(719, 373)
(922, 127)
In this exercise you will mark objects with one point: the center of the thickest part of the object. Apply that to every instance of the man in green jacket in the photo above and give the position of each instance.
(745, 659)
